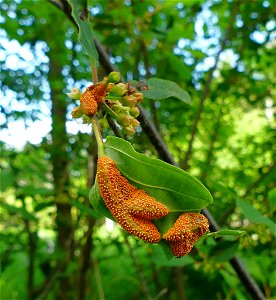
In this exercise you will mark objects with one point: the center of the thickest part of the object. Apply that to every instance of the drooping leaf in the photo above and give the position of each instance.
(254, 216)
(86, 33)
(21, 211)
(163, 89)
(224, 250)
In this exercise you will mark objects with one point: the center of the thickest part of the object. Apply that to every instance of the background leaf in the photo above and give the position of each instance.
(254, 216)
(163, 89)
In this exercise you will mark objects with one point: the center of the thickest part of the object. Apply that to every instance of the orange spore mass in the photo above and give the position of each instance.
(92, 96)
(131, 208)
(188, 228)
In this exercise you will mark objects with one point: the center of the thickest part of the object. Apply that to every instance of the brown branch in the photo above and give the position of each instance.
(206, 90)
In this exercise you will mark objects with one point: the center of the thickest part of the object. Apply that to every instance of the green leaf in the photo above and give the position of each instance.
(163, 89)
(272, 199)
(173, 187)
(87, 211)
(86, 34)
(225, 232)
(21, 211)
(41, 206)
(162, 260)
(254, 216)
(97, 202)
(224, 250)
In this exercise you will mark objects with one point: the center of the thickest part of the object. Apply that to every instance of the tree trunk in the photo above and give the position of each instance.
(60, 164)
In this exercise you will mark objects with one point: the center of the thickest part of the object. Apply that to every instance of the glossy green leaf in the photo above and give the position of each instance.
(163, 89)
(254, 216)
(86, 33)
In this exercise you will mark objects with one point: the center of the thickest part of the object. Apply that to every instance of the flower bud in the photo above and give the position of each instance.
(134, 111)
(76, 112)
(134, 122)
(110, 86)
(103, 123)
(74, 94)
(124, 120)
(119, 89)
(129, 101)
(138, 96)
(130, 130)
(114, 77)
(86, 119)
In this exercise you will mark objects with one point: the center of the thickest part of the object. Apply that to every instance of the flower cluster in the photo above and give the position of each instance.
(109, 97)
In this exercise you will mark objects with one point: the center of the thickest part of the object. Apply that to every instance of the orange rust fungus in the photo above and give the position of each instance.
(131, 208)
(188, 228)
(92, 96)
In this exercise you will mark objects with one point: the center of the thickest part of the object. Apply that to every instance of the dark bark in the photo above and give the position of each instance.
(60, 171)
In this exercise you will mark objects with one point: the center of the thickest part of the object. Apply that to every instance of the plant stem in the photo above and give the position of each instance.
(98, 137)
(109, 110)
(94, 72)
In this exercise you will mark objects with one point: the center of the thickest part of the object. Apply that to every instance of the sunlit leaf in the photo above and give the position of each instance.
(254, 216)
(163, 89)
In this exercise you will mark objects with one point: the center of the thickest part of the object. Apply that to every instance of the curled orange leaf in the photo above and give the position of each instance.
(133, 209)
(188, 228)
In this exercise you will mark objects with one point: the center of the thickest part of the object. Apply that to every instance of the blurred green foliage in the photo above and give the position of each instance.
(232, 154)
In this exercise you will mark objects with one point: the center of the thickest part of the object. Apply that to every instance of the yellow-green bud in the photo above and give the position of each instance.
(110, 86)
(130, 130)
(134, 111)
(119, 89)
(129, 101)
(76, 112)
(86, 119)
(114, 77)
(74, 94)
(138, 96)
(134, 122)
(103, 123)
